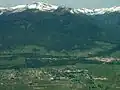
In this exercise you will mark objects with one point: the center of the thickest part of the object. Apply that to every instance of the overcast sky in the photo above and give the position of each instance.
(70, 3)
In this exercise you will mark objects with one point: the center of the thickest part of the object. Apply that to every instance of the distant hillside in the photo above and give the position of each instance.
(59, 30)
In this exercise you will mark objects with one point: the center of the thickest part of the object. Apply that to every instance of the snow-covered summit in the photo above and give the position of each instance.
(48, 7)
(98, 11)
(38, 5)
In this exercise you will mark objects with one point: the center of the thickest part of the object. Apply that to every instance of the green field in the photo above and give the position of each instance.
(35, 68)
(55, 78)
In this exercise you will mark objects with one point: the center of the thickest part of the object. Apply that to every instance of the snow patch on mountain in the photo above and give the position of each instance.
(39, 6)
(51, 8)
(97, 11)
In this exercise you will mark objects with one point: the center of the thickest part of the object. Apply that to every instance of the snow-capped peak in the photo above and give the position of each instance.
(97, 11)
(39, 6)
(42, 6)
(48, 7)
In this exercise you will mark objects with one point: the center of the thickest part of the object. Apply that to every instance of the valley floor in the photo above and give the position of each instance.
(71, 77)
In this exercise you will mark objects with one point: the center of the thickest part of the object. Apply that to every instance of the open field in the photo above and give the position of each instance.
(70, 77)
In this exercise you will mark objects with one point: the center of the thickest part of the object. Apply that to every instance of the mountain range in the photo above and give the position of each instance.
(59, 28)
(51, 8)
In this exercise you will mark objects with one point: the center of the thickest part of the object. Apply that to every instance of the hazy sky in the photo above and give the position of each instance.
(70, 3)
